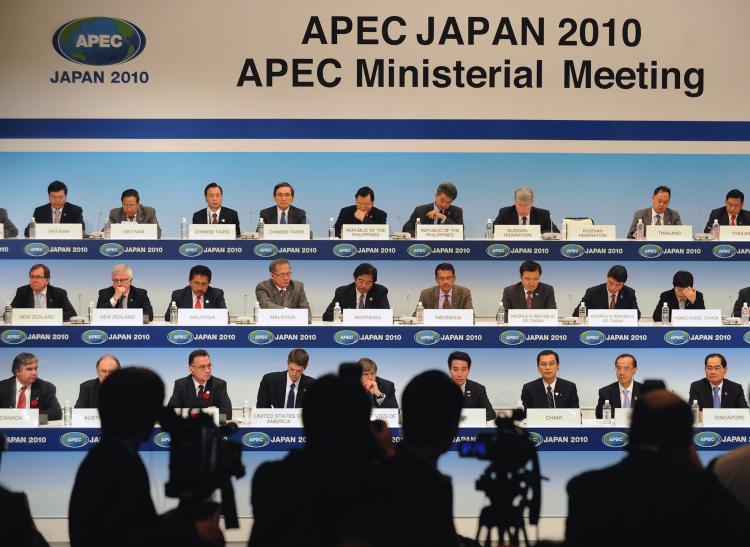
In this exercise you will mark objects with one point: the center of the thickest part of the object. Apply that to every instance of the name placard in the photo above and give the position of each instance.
(368, 318)
(726, 417)
(514, 231)
(553, 417)
(734, 233)
(580, 232)
(86, 417)
(696, 318)
(283, 317)
(19, 417)
(133, 230)
(440, 317)
(212, 231)
(117, 316)
(669, 233)
(276, 417)
(211, 411)
(364, 231)
(388, 415)
(203, 316)
(472, 417)
(286, 231)
(34, 316)
(59, 231)
(440, 231)
(622, 417)
(613, 318)
(537, 318)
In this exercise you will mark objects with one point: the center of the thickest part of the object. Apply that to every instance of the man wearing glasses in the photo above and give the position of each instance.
(715, 391)
(124, 295)
(200, 389)
(40, 294)
(280, 291)
(363, 293)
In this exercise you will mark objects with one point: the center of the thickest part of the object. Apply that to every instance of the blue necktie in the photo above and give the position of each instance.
(625, 399)
(290, 397)
(283, 217)
(717, 399)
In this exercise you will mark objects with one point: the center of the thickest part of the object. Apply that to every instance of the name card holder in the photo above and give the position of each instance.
(203, 317)
(41, 316)
(19, 417)
(388, 415)
(368, 317)
(440, 232)
(133, 230)
(696, 318)
(286, 231)
(108, 317)
(536, 318)
(59, 231)
(283, 317)
(473, 417)
(734, 233)
(726, 417)
(530, 232)
(277, 417)
(622, 417)
(440, 317)
(553, 417)
(211, 411)
(613, 318)
(582, 232)
(86, 417)
(212, 231)
(364, 231)
(669, 233)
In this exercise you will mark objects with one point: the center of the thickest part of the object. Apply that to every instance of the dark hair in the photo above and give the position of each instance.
(277, 262)
(445, 266)
(200, 269)
(21, 360)
(459, 356)
(618, 273)
(661, 421)
(735, 193)
(663, 189)
(547, 352)
(56, 186)
(366, 269)
(682, 279)
(115, 359)
(282, 185)
(197, 353)
(43, 267)
(117, 412)
(298, 356)
(364, 192)
(623, 355)
(212, 185)
(431, 406)
(131, 193)
(719, 355)
(530, 266)
(448, 189)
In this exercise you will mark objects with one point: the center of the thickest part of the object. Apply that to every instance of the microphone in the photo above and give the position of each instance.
(244, 311)
(570, 303)
(99, 223)
(700, 223)
(80, 308)
(408, 304)
(400, 223)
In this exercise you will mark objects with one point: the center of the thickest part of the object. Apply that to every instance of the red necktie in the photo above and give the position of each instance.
(198, 304)
(22, 398)
(732, 221)
(529, 300)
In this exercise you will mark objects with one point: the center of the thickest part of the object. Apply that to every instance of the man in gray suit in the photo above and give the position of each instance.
(446, 294)
(133, 211)
(659, 214)
(280, 291)
(9, 229)
(529, 293)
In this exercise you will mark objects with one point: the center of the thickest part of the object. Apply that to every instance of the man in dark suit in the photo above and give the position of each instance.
(625, 391)
(715, 391)
(660, 485)
(363, 293)
(474, 393)
(682, 296)
(659, 214)
(523, 212)
(280, 291)
(124, 295)
(284, 212)
(549, 391)
(201, 389)
(26, 390)
(442, 211)
(133, 211)
(9, 229)
(742, 298)
(198, 294)
(58, 210)
(88, 395)
(40, 294)
(362, 212)
(286, 389)
(446, 294)
(215, 213)
(529, 293)
(613, 294)
(382, 392)
(732, 214)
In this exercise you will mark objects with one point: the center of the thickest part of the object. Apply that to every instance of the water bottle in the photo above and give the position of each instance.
(416, 226)
(91, 312)
(336, 313)
(582, 313)
(744, 314)
(184, 229)
(331, 229)
(665, 314)
(246, 412)
(32, 228)
(8, 314)
(489, 231)
(640, 230)
(67, 414)
(564, 229)
(696, 410)
(715, 230)
(500, 315)
(256, 312)
(261, 226)
(420, 313)
(607, 413)
(173, 313)
(107, 229)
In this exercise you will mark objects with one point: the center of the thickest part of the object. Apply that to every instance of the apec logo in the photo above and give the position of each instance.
(344, 250)
(427, 337)
(266, 250)
(256, 439)
(535, 438)
(677, 337)
(260, 337)
(111, 249)
(346, 337)
(724, 251)
(498, 250)
(74, 439)
(99, 41)
(180, 337)
(36, 249)
(94, 336)
(707, 439)
(572, 250)
(512, 337)
(615, 439)
(162, 439)
(746, 338)
(592, 337)
(190, 250)
(650, 251)
(419, 250)
(13, 336)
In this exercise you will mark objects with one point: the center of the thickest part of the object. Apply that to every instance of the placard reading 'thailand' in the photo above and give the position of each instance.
(669, 233)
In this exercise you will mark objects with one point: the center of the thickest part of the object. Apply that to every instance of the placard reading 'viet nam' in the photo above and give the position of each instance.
(132, 230)
(59, 231)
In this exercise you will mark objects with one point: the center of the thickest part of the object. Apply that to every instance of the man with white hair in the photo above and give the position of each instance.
(523, 212)
(124, 295)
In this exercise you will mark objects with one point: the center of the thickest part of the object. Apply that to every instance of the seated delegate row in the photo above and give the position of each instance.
(440, 211)
(286, 389)
(281, 291)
